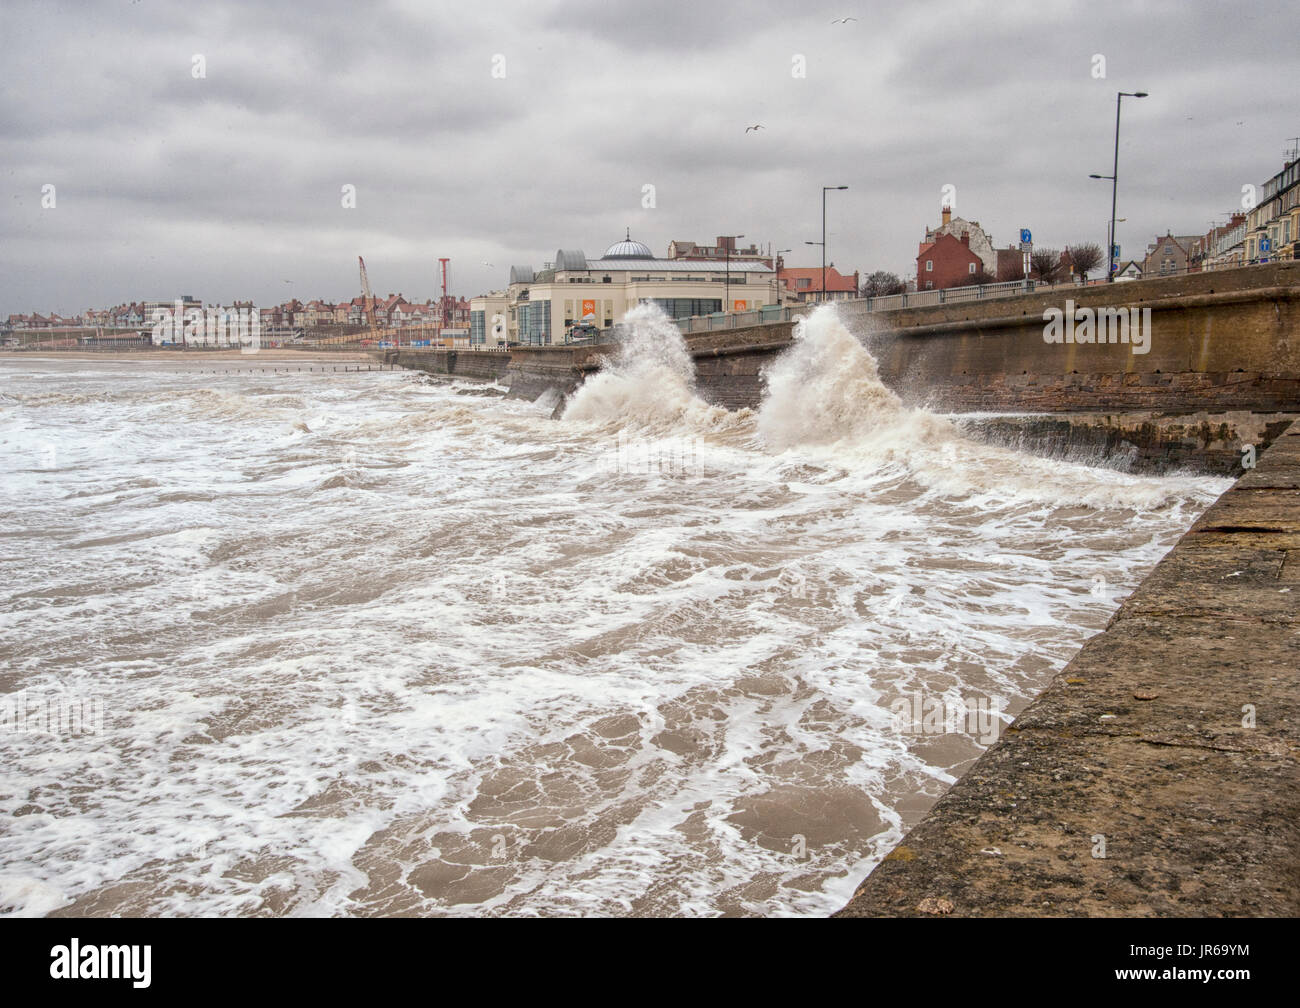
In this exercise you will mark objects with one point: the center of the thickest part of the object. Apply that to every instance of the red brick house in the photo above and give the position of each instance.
(805, 284)
(946, 262)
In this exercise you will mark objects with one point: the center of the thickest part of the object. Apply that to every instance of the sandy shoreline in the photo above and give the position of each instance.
(194, 357)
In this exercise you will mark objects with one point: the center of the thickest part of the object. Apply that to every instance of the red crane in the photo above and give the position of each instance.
(367, 299)
(446, 304)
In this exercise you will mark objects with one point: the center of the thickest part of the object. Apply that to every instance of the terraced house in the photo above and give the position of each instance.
(1272, 225)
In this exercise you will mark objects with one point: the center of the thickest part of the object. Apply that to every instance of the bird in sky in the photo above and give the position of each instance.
(489, 265)
(748, 128)
(843, 20)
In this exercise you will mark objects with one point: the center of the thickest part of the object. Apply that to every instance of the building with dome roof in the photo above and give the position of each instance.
(540, 306)
(628, 249)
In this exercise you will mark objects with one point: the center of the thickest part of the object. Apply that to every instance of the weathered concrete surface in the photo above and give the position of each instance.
(1145, 739)
(476, 365)
(1226, 340)
(527, 371)
(1146, 442)
(535, 370)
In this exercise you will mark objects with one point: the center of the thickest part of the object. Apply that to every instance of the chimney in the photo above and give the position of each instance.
(947, 215)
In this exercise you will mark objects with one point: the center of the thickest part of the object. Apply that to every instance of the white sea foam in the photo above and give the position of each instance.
(825, 394)
(648, 383)
(366, 645)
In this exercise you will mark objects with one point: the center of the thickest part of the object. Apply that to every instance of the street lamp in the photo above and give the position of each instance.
(1110, 223)
(776, 272)
(825, 190)
(823, 247)
(1114, 183)
(1109, 250)
(726, 290)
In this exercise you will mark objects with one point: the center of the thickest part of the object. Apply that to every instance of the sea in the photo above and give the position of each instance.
(288, 642)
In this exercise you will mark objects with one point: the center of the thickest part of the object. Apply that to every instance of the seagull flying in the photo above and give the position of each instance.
(489, 265)
(843, 20)
(748, 128)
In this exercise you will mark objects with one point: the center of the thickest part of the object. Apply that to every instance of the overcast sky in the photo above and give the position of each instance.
(229, 185)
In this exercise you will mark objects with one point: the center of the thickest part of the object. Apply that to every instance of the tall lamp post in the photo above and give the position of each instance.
(1111, 247)
(1114, 183)
(726, 290)
(777, 273)
(825, 190)
(1110, 224)
(823, 248)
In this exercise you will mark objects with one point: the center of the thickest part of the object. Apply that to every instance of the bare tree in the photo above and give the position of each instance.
(1046, 263)
(1086, 258)
(882, 284)
(979, 278)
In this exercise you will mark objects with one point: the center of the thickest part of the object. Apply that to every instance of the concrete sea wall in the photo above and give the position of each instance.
(1157, 774)
(1226, 340)
(1221, 368)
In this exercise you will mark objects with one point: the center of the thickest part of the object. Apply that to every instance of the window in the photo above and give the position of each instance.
(535, 323)
(929, 285)
(972, 267)
(929, 265)
(804, 283)
(678, 308)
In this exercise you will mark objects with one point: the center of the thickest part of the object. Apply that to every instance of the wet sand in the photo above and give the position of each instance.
(190, 356)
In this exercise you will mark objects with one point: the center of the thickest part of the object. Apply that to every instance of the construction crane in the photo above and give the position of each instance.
(367, 299)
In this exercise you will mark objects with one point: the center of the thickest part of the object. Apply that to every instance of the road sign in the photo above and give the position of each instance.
(1265, 245)
(1025, 237)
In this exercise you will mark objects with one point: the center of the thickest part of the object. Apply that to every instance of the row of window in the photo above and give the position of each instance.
(929, 268)
(535, 323)
(680, 308)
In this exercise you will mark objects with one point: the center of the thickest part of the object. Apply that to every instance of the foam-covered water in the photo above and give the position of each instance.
(369, 644)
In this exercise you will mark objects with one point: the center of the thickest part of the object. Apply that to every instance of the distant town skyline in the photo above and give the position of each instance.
(212, 150)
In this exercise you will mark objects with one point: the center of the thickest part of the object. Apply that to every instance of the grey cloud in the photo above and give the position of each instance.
(225, 187)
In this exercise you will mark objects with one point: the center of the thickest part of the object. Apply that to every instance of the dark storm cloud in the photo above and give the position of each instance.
(227, 186)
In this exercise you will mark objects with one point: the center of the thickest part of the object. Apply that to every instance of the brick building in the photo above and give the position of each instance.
(946, 262)
(803, 284)
(1168, 256)
(954, 265)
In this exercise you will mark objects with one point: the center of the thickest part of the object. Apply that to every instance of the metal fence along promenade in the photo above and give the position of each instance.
(889, 302)
(912, 299)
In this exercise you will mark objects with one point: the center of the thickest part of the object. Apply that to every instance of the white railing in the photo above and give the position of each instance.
(922, 299)
(889, 302)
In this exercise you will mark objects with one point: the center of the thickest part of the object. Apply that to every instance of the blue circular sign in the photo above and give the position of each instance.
(1025, 236)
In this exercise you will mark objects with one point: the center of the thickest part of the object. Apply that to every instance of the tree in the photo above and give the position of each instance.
(979, 278)
(1046, 263)
(1086, 258)
(882, 284)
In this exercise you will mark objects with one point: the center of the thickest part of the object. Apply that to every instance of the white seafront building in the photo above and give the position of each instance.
(539, 306)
